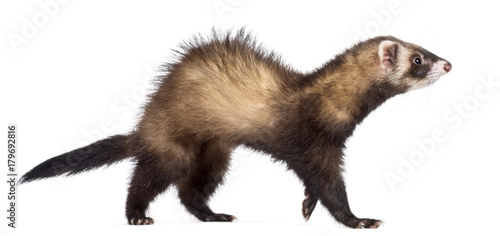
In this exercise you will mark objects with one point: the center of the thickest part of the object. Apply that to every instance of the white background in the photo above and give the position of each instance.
(83, 72)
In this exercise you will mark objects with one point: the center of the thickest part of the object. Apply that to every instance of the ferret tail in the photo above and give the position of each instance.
(101, 153)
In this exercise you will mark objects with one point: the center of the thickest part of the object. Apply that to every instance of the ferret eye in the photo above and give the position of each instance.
(417, 61)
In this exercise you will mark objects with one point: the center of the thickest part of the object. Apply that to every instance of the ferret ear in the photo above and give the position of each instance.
(387, 52)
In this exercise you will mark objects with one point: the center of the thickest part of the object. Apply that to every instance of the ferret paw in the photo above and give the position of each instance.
(141, 221)
(368, 224)
(308, 206)
(217, 218)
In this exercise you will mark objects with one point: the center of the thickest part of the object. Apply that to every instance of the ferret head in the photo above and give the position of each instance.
(409, 66)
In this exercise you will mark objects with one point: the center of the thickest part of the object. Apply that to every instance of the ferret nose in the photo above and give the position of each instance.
(447, 67)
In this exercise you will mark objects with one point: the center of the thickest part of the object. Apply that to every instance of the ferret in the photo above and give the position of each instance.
(226, 90)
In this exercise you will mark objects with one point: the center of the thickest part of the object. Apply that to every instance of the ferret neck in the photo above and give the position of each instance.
(346, 99)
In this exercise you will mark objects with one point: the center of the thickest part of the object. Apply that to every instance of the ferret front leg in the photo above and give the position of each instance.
(322, 177)
(334, 197)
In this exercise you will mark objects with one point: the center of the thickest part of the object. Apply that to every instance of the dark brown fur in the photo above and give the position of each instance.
(227, 91)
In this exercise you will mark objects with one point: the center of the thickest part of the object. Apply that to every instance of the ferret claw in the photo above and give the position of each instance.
(308, 205)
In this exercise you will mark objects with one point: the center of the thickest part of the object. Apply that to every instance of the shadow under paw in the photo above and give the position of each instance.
(217, 218)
